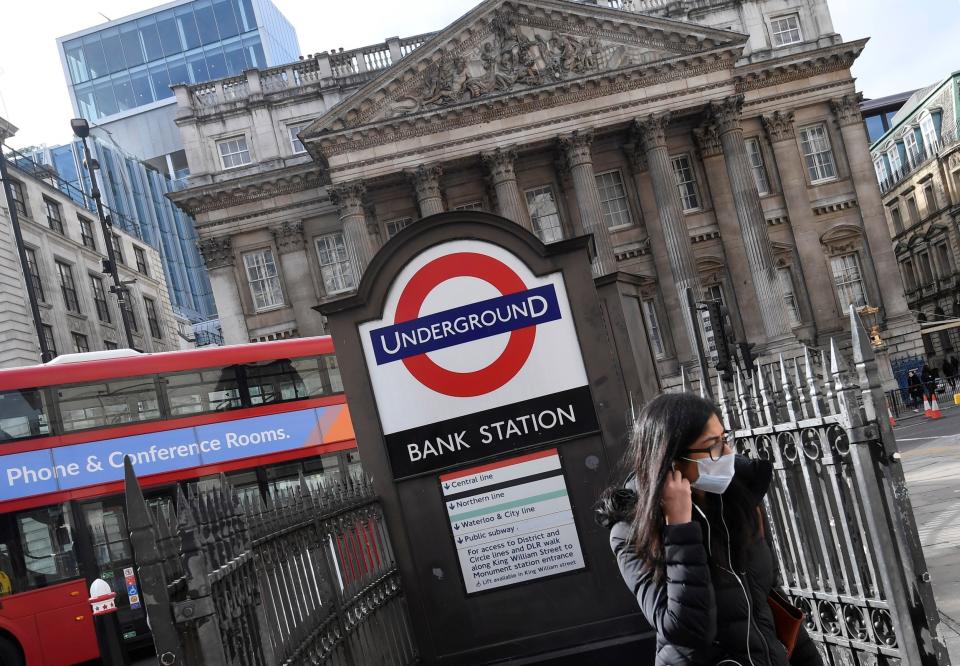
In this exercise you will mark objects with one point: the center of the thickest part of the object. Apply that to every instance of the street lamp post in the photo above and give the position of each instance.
(81, 129)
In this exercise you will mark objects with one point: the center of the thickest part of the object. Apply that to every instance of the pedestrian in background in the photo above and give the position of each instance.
(915, 389)
(688, 533)
(929, 380)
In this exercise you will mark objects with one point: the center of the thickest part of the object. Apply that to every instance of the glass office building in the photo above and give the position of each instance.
(131, 63)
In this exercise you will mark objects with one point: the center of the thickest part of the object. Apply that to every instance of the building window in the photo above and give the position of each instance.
(335, 266)
(931, 198)
(80, 343)
(789, 297)
(295, 144)
(472, 205)
(141, 258)
(686, 183)
(54, 215)
(67, 287)
(945, 266)
(909, 277)
(912, 210)
(49, 339)
(926, 269)
(100, 298)
(786, 30)
(86, 233)
(131, 315)
(395, 226)
(929, 133)
(653, 328)
(544, 214)
(756, 165)
(897, 219)
(613, 199)
(713, 292)
(817, 153)
(881, 168)
(263, 279)
(893, 156)
(109, 344)
(848, 280)
(911, 148)
(234, 152)
(117, 248)
(153, 322)
(34, 271)
(16, 188)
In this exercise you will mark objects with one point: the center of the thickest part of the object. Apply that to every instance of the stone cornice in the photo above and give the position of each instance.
(229, 194)
(258, 214)
(796, 66)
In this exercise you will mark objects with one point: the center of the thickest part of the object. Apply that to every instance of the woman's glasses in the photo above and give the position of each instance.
(715, 449)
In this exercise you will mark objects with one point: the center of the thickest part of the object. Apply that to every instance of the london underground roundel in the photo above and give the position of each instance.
(473, 351)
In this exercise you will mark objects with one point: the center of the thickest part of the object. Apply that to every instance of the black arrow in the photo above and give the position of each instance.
(459, 540)
(446, 486)
(456, 527)
(452, 506)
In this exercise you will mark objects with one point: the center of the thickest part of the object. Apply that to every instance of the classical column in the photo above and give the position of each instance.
(510, 202)
(708, 142)
(579, 161)
(753, 225)
(651, 132)
(353, 218)
(426, 181)
(217, 254)
(295, 266)
(854, 133)
(816, 273)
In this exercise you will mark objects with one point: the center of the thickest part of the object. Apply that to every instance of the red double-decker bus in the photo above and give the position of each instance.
(263, 414)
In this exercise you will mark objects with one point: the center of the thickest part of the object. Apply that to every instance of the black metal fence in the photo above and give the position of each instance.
(306, 576)
(843, 527)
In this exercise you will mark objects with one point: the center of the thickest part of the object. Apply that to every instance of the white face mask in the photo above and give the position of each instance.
(715, 475)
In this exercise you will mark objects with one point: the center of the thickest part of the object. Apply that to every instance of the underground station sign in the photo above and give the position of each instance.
(474, 357)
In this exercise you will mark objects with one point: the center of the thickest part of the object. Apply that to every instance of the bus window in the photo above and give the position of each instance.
(329, 363)
(108, 532)
(283, 477)
(11, 570)
(354, 468)
(323, 470)
(23, 414)
(108, 403)
(245, 485)
(46, 538)
(200, 391)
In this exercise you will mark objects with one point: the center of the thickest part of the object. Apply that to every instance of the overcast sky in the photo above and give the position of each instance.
(912, 44)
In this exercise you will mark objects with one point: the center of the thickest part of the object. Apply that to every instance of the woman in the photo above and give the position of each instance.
(688, 535)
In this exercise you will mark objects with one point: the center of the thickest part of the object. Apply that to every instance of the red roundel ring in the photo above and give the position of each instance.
(514, 355)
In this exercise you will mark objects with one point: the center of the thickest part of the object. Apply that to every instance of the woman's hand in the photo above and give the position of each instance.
(676, 500)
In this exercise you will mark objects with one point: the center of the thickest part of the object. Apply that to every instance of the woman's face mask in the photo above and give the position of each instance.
(714, 475)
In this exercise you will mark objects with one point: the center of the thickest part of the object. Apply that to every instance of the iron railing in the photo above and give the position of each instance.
(843, 530)
(300, 577)
(918, 157)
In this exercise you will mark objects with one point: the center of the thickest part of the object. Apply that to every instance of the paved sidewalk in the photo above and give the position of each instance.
(931, 463)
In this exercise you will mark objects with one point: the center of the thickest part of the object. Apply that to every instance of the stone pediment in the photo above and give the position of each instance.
(507, 49)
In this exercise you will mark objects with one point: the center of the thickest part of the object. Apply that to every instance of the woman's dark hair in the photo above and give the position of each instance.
(666, 427)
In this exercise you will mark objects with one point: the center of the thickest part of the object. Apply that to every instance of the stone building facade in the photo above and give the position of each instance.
(708, 145)
(65, 251)
(917, 161)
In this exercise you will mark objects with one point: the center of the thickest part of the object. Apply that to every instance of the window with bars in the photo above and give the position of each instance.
(817, 153)
(295, 144)
(49, 339)
(117, 249)
(80, 343)
(653, 328)
(848, 280)
(263, 279)
(234, 152)
(686, 183)
(34, 269)
(141, 258)
(335, 266)
(755, 153)
(394, 227)
(86, 232)
(109, 344)
(789, 296)
(786, 30)
(100, 298)
(544, 214)
(153, 321)
(67, 287)
(613, 199)
(19, 200)
(54, 215)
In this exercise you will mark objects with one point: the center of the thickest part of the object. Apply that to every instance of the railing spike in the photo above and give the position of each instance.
(787, 391)
(800, 395)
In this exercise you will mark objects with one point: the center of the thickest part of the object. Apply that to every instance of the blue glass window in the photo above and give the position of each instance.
(188, 27)
(245, 15)
(206, 22)
(140, 82)
(216, 63)
(112, 50)
(160, 80)
(169, 34)
(197, 66)
(75, 60)
(93, 56)
(132, 48)
(178, 70)
(104, 101)
(151, 38)
(226, 21)
(124, 92)
(235, 60)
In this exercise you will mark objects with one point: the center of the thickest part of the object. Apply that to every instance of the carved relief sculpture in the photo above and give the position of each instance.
(217, 252)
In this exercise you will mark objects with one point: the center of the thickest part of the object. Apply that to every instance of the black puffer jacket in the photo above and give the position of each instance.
(703, 613)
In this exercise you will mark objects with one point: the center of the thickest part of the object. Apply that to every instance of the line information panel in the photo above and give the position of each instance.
(511, 521)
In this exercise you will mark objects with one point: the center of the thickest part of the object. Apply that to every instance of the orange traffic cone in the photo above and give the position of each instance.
(926, 404)
(893, 421)
(934, 408)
